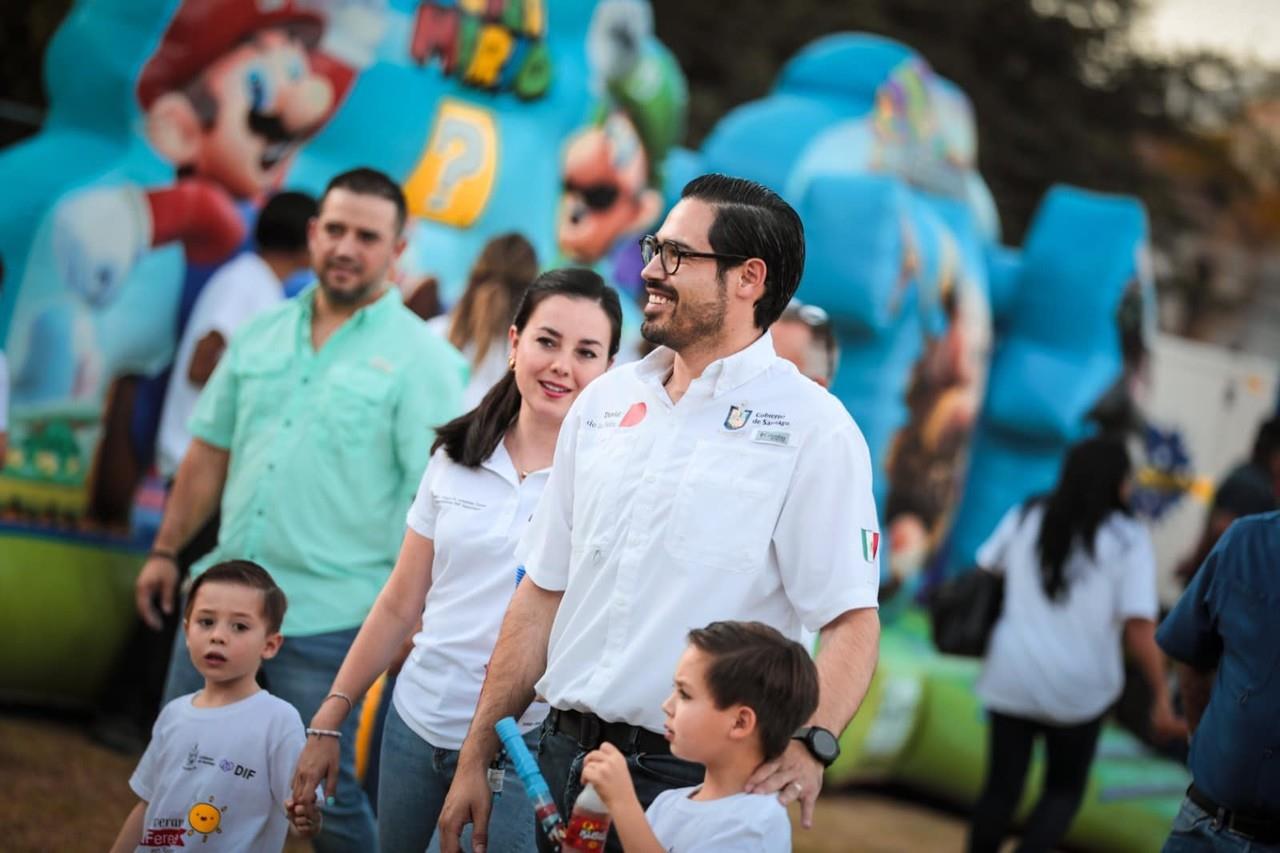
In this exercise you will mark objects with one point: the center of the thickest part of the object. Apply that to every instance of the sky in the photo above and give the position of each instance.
(1247, 29)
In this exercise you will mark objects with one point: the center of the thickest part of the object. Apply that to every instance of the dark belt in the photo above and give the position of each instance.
(590, 731)
(1261, 829)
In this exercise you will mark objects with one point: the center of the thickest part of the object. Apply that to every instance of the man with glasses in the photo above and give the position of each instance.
(803, 336)
(708, 481)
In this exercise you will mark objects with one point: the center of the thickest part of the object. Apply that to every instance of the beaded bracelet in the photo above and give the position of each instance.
(324, 732)
(344, 697)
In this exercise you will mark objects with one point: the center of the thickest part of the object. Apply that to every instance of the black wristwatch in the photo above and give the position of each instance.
(821, 743)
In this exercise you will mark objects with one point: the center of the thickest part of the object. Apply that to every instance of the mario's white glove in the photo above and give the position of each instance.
(617, 30)
(352, 31)
(98, 236)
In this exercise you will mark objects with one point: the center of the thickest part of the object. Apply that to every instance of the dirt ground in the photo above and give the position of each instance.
(61, 792)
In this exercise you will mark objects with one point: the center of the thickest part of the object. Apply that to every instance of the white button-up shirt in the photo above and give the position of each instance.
(748, 499)
(474, 518)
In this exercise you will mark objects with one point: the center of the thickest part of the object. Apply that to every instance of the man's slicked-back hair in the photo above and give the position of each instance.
(244, 573)
(752, 664)
(366, 181)
(752, 220)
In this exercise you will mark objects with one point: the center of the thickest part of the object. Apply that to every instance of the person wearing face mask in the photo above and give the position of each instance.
(486, 473)
(309, 437)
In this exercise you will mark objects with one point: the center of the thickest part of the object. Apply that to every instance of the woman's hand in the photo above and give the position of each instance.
(318, 762)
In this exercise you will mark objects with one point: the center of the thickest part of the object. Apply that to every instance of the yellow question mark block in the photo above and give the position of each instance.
(453, 180)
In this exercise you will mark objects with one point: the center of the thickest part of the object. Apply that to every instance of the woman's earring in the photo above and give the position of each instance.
(511, 361)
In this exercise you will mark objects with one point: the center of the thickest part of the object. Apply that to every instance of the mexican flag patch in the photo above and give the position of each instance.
(870, 545)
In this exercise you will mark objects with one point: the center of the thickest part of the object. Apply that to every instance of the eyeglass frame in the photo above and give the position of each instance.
(659, 248)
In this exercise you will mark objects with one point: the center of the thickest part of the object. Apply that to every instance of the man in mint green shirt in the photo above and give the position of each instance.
(312, 435)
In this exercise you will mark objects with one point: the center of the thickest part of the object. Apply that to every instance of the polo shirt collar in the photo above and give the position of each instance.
(723, 374)
(501, 463)
(306, 300)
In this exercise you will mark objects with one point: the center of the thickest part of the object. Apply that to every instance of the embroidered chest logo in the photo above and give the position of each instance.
(737, 418)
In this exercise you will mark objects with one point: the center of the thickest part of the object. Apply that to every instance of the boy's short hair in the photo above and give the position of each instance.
(244, 573)
(752, 664)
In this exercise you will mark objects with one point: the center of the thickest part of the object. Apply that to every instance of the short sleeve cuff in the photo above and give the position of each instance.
(858, 598)
(1140, 612)
(209, 435)
(140, 787)
(548, 579)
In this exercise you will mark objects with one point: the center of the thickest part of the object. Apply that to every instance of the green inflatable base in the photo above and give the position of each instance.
(921, 725)
(66, 605)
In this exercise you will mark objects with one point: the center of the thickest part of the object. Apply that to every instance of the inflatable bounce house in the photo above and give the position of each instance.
(170, 122)
(970, 366)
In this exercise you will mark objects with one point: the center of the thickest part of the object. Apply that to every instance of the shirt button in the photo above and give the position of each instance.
(650, 478)
(306, 379)
(259, 512)
(1267, 753)
(271, 466)
(288, 422)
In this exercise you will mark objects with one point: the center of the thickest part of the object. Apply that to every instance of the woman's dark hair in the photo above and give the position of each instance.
(498, 279)
(471, 438)
(1088, 491)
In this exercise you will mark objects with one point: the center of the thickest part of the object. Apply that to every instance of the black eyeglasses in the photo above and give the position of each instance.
(671, 255)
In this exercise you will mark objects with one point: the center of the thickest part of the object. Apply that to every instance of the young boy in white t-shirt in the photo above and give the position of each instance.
(741, 690)
(220, 763)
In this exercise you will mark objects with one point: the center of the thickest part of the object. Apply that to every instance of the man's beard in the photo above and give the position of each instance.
(689, 324)
(347, 298)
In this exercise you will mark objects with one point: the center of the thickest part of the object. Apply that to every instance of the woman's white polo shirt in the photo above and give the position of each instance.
(474, 517)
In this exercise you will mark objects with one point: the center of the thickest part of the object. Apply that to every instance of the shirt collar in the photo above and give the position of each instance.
(306, 300)
(501, 463)
(723, 374)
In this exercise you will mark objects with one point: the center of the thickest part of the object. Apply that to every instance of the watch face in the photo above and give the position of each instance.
(825, 745)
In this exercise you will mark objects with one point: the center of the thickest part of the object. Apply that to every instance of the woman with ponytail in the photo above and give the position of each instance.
(478, 323)
(1080, 575)
(456, 570)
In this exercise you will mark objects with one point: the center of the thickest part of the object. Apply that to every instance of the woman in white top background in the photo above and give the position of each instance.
(487, 471)
(477, 324)
(1080, 574)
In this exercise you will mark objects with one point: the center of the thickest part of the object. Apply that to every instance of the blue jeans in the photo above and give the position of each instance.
(301, 673)
(415, 777)
(560, 759)
(1193, 832)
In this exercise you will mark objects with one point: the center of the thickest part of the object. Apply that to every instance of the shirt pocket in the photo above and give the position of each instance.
(357, 407)
(264, 389)
(1250, 641)
(727, 505)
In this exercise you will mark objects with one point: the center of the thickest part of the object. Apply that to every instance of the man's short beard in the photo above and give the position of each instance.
(347, 298)
(698, 325)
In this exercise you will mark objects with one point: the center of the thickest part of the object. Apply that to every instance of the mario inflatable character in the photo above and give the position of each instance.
(231, 92)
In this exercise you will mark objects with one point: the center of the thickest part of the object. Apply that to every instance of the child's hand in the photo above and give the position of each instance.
(606, 770)
(305, 818)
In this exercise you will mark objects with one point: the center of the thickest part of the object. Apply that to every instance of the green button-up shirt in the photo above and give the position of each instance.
(326, 449)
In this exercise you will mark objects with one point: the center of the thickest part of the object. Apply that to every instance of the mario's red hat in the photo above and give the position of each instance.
(204, 30)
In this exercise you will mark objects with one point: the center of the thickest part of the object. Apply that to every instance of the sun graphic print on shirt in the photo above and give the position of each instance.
(205, 819)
